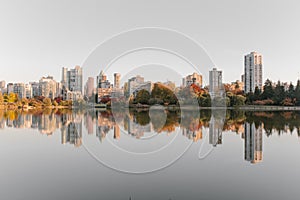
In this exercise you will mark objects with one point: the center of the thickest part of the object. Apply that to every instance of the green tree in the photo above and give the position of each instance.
(297, 93)
(204, 100)
(268, 92)
(279, 94)
(291, 91)
(164, 93)
(142, 97)
(257, 94)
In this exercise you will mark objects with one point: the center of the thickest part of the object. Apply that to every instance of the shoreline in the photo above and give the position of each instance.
(170, 108)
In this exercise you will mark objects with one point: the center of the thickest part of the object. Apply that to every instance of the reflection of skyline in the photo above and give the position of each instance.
(253, 143)
(215, 131)
(136, 124)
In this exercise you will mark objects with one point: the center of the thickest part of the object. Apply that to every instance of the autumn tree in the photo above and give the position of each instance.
(47, 102)
(1, 99)
(142, 97)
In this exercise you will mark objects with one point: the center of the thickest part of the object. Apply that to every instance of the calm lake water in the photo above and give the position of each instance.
(156, 154)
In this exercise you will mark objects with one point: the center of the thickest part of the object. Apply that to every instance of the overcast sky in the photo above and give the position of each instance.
(37, 38)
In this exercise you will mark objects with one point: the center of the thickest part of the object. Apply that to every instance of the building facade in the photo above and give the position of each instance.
(253, 72)
(215, 82)
(104, 87)
(192, 79)
(35, 89)
(117, 80)
(134, 83)
(19, 89)
(72, 79)
(47, 87)
(89, 87)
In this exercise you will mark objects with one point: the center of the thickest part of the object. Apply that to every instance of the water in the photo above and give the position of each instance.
(60, 154)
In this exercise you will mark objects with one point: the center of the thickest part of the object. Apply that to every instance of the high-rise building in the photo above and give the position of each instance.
(47, 87)
(72, 79)
(28, 91)
(2, 84)
(35, 89)
(64, 77)
(253, 143)
(89, 87)
(117, 79)
(253, 72)
(10, 88)
(104, 87)
(134, 83)
(192, 79)
(19, 89)
(215, 82)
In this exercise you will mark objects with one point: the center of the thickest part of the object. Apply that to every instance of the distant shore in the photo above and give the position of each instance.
(160, 107)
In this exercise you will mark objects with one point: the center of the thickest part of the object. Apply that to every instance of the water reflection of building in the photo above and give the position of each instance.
(194, 135)
(116, 132)
(71, 130)
(47, 124)
(253, 143)
(88, 122)
(105, 123)
(2, 123)
(72, 134)
(137, 130)
(215, 131)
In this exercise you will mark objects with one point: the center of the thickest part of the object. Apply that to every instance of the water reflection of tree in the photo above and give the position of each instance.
(280, 121)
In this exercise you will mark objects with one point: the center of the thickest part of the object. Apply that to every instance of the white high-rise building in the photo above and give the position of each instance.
(253, 72)
(47, 87)
(28, 91)
(19, 89)
(215, 82)
(35, 89)
(72, 79)
(134, 83)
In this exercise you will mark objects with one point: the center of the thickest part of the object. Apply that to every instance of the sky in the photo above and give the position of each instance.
(38, 38)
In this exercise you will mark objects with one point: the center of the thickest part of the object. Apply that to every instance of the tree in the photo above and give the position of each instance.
(12, 98)
(47, 102)
(24, 102)
(54, 103)
(268, 92)
(142, 97)
(291, 91)
(297, 93)
(279, 94)
(1, 99)
(162, 92)
(257, 94)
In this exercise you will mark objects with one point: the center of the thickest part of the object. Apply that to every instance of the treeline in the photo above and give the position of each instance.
(13, 101)
(275, 95)
(186, 96)
(160, 94)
